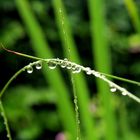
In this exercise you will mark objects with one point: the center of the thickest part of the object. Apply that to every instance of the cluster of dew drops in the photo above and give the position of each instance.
(52, 64)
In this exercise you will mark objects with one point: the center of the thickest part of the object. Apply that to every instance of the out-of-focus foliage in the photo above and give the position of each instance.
(30, 103)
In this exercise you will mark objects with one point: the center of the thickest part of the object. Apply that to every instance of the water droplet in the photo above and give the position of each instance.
(113, 89)
(124, 93)
(75, 101)
(69, 66)
(76, 69)
(38, 65)
(29, 69)
(52, 64)
(64, 63)
(97, 74)
(88, 71)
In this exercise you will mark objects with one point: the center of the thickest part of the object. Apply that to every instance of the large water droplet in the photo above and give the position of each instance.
(52, 65)
(29, 69)
(38, 65)
(113, 89)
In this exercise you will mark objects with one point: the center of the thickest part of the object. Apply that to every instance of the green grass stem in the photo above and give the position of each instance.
(70, 51)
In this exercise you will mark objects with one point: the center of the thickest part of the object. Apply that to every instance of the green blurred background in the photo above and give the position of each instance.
(101, 34)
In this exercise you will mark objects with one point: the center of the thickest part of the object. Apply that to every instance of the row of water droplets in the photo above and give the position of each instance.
(53, 63)
(38, 66)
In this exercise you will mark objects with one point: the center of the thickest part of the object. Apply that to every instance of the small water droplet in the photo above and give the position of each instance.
(76, 69)
(38, 65)
(88, 71)
(64, 63)
(69, 66)
(75, 101)
(124, 93)
(29, 69)
(97, 74)
(52, 65)
(113, 89)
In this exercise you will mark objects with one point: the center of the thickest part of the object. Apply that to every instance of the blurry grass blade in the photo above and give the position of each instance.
(102, 62)
(133, 12)
(42, 49)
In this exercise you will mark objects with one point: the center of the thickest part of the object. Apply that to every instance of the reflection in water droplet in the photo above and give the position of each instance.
(38, 65)
(113, 89)
(29, 69)
(52, 65)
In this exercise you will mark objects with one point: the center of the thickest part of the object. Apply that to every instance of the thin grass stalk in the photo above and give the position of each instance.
(42, 49)
(71, 52)
(2, 112)
(102, 63)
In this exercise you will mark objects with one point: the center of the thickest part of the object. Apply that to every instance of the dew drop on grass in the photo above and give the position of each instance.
(38, 65)
(124, 93)
(64, 63)
(52, 65)
(69, 66)
(88, 71)
(29, 69)
(97, 74)
(76, 70)
(113, 89)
